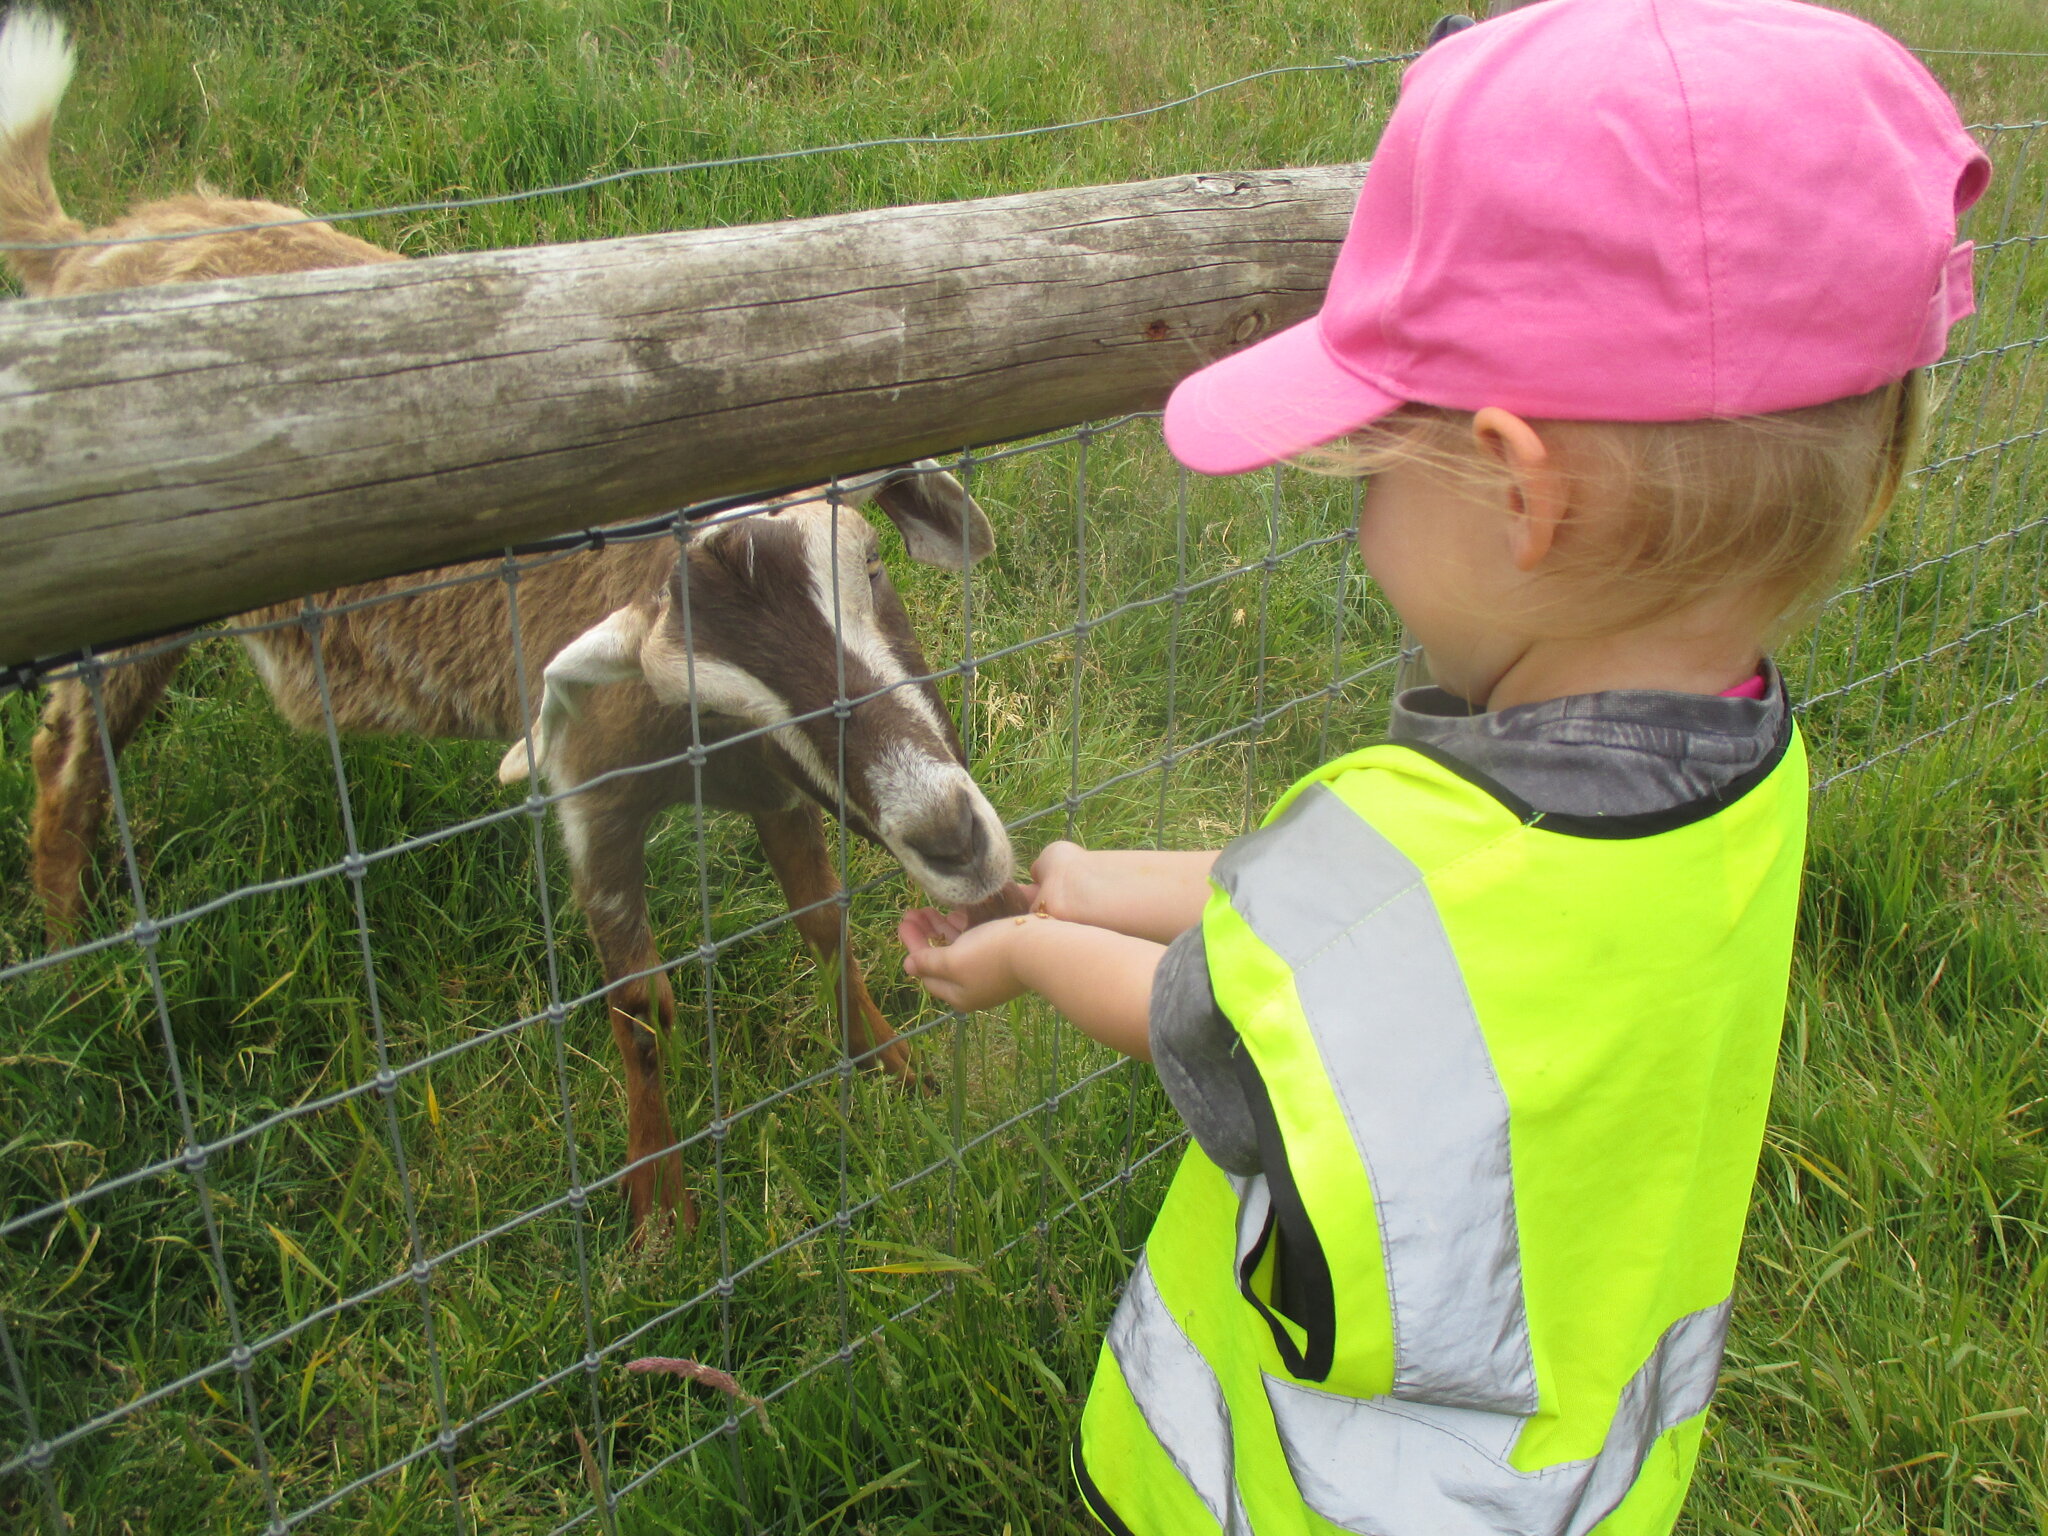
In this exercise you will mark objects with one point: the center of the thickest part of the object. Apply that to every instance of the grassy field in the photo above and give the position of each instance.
(924, 1358)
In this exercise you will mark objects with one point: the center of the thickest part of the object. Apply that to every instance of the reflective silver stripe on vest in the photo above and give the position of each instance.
(1391, 1469)
(1384, 998)
(1179, 1396)
(1254, 1205)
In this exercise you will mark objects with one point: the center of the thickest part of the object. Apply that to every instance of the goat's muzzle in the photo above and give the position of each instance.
(946, 835)
(950, 837)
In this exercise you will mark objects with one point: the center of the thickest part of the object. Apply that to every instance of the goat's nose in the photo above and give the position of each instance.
(948, 835)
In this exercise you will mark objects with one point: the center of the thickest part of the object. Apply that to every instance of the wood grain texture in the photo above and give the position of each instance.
(172, 454)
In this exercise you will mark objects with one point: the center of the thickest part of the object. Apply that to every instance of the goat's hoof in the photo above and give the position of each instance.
(910, 1077)
(665, 1225)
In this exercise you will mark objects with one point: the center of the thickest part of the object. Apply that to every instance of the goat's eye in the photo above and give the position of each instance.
(874, 567)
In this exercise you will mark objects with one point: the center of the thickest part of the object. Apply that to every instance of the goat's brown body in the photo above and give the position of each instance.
(434, 663)
(443, 663)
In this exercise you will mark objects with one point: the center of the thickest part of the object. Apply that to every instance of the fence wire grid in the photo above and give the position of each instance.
(313, 1191)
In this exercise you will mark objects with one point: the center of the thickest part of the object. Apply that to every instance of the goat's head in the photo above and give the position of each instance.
(788, 611)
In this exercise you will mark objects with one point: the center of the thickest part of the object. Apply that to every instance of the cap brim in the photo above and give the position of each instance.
(1267, 403)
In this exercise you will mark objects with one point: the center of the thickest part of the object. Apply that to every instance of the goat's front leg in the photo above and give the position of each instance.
(73, 777)
(794, 841)
(608, 862)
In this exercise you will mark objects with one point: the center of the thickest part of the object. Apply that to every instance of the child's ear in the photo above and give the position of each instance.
(1536, 500)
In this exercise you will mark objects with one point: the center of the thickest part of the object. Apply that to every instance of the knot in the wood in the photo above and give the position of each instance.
(1248, 325)
(1223, 186)
(1158, 330)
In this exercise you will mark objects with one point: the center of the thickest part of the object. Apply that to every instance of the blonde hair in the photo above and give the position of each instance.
(1686, 511)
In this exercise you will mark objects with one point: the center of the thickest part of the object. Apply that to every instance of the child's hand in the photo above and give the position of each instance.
(963, 967)
(1058, 875)
(1145, 893)
(1099, 979)
(928, 927)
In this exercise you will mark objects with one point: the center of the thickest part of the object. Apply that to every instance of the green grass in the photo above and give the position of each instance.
(1889, 1371)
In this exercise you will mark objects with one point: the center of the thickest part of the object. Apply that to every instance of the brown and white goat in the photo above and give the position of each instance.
(788, 611)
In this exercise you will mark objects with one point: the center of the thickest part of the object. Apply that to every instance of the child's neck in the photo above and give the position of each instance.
(1708, 663)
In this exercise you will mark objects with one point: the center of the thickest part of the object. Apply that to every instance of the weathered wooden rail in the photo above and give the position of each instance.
(169, 455)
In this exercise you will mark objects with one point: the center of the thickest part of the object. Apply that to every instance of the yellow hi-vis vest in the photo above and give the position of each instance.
(1510, 1079)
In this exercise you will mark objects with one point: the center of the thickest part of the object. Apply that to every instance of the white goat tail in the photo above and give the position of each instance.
(35, 67)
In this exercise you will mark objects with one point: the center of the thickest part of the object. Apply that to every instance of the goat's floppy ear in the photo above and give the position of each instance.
(941, 524)
(608, 652)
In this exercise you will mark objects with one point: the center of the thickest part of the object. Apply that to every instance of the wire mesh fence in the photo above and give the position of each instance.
(316, 1189)
(1941, 636)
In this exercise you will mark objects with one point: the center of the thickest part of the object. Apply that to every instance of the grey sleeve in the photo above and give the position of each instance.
(1192, 1044)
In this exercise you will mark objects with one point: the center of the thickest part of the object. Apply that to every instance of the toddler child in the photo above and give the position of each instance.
(1474, 1036)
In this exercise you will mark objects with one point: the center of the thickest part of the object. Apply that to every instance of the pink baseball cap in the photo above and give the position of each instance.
(1624, 210)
